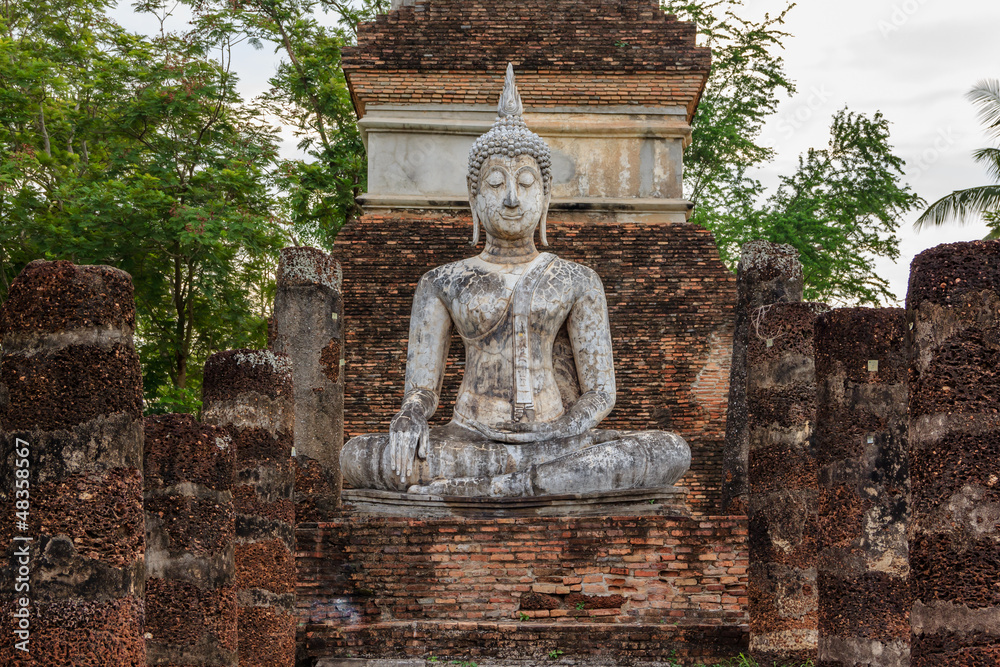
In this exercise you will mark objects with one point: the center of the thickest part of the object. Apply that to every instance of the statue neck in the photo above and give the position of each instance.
(502, 251)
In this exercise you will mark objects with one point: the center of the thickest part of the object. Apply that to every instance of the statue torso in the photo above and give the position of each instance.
(479, 296)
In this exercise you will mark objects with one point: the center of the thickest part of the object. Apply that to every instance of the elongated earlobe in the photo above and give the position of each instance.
(475, 228)
(541, 223)
(475, 216)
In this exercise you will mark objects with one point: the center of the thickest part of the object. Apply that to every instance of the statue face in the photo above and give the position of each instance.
(511, 197)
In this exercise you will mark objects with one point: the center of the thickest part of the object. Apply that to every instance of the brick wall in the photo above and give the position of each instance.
(569, 35)
(670, 301)
(637, 586)
(538, 89)
(566, 53)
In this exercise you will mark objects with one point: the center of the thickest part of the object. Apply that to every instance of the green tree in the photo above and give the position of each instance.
(308, 93)
(983, 200)
(841, 207)
(54, 138)
(840, 210)
(743, 91)
(142, 155)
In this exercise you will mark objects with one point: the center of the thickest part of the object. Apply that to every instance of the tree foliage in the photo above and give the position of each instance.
(308, 93)
(842, 206)
(983, 200)
(841, 209)
(744, 88)
(138, 152)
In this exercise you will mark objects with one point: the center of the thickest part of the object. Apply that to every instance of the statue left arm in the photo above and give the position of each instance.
(590, 335)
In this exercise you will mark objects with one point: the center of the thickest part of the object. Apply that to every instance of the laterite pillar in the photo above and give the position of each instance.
(781, 398)
(860, 443)
(190, 533)
(953, 318)
(71, 418)
(308, 326)
(249, 393)
(767, 273)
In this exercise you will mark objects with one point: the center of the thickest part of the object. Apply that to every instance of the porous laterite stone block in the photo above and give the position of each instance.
(87, 633)
(54, 297)
(316, 494)
(767, 273)
(232, 374)
(71, 399)
(190, 534)
(953, 322)
(783, 482)
(861, 450)
(250, 394)
(308, 326)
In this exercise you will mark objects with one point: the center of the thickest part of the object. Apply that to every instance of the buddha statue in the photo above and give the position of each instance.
(539, 376)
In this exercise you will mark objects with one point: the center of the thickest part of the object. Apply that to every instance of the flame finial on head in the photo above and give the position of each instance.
(510, 102)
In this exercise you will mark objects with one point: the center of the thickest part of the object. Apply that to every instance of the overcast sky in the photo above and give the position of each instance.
(914, 60)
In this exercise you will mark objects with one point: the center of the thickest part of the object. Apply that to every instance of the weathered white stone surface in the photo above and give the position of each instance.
(667, 501)
(418, 153)
(539, 375)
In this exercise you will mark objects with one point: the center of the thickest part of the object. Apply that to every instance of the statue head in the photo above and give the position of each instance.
(510, 173)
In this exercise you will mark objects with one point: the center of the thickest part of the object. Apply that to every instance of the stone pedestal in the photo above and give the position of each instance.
(782, 476)
(953, 315)
(767, 273)
(308, 327)
(190, 532)
(249, 393)
(637, 502)
(860, 444)
(71, 440)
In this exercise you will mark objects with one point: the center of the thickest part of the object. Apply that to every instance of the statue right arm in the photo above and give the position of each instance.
(426, 354)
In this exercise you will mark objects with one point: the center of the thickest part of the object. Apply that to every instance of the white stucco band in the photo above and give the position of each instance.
(626, 158)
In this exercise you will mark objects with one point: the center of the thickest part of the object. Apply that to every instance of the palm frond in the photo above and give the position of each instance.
(961, 205)
(986, 96)
(990, 158)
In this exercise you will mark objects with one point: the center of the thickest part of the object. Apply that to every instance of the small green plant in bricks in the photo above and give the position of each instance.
(523, 617)
(554, 654)
(581, 605)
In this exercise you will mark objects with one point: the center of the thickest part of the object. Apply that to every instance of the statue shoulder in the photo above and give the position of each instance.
(440, 278)
(583, 278)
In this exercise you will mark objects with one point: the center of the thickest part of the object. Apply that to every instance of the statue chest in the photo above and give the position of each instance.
(483, 309)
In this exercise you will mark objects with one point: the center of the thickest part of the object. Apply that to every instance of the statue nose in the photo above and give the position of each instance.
(510, 200)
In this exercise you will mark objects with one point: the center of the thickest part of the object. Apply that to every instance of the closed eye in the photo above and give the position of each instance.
(495, 179)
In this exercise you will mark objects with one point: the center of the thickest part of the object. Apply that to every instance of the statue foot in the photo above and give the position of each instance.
(513, 485)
